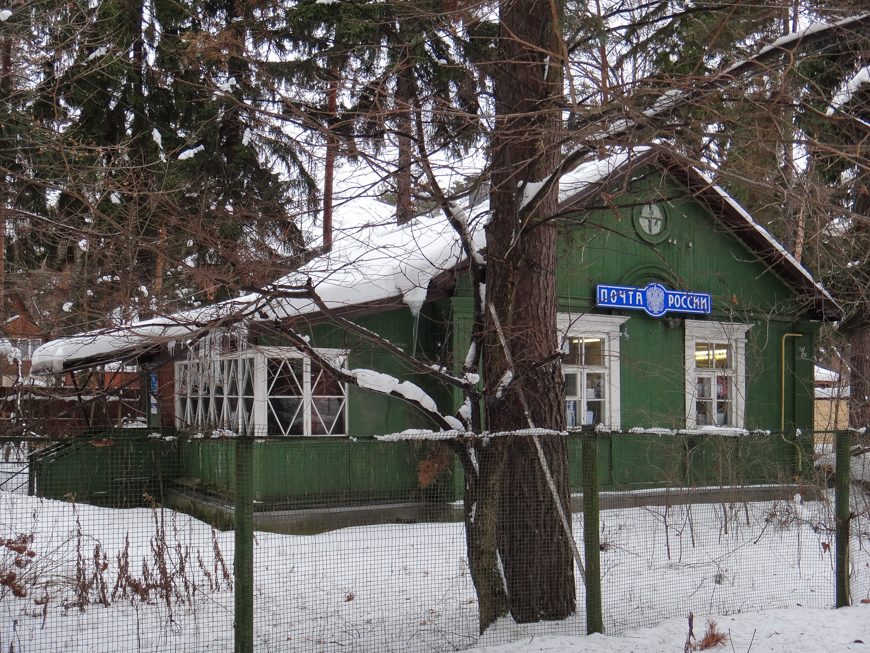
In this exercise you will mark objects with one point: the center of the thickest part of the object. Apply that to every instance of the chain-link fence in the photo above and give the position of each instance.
(140, 540)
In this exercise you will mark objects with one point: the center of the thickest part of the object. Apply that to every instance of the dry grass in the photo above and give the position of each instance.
(430, 469)
(712, 637)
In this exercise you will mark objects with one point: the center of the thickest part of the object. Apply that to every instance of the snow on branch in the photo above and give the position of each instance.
(791, 42)
(704, 430)
(846, 91)
(435, 371)
(373, 380)
(423, 434)
(591, 136)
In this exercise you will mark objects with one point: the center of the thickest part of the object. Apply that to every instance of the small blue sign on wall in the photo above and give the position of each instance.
(654, 299)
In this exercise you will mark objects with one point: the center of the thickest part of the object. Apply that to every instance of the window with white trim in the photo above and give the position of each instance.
(590, 365)
(715, 374)
(303, 398)
(273, 390)
(216, 392)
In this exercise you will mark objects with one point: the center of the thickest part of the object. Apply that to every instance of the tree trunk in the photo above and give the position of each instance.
(482, 500)
(404, 93)
(6, 88)
(329, 167)
(534, 548)
(521, 288)
(859, 364)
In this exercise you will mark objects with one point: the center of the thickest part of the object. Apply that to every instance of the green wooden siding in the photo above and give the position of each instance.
(116, 469)
(372, 413)
(289, 473)
(304, 472)
(652, 376)
(698, 255)
(639, 461)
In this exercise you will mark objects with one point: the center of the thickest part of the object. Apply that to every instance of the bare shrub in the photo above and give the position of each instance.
(17, 560)
(712, 637)
(220, 567)
(79, 571)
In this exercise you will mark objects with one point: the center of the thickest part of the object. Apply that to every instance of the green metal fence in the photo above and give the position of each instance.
(165, 541)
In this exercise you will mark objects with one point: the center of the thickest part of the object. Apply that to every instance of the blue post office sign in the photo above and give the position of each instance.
(654, 298)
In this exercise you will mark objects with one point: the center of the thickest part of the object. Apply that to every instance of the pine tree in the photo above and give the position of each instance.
(138, 132)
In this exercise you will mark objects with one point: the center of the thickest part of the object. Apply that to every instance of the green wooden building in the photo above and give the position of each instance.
(685, 329)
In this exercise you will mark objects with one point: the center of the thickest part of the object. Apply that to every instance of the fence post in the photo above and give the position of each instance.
(843, 479)
(243, 565)
(591, 543)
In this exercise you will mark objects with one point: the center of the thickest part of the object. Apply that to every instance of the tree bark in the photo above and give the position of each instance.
(859, 364)
(521, 287)
(404, 93)
(482, 500)
(857, 322)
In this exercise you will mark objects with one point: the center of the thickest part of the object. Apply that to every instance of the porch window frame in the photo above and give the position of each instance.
(259, 415)
(261, 408)
(608, 328)
(734, 335)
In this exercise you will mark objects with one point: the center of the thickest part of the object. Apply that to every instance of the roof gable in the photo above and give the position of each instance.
(586, 182)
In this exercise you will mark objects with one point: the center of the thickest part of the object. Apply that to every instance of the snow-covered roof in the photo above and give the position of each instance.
(835, 392)
(587, 177)
(374, 261)
(106, 345)
(824, 375)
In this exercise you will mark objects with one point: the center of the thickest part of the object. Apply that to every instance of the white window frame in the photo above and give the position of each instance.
(259, 419)
(212, 371)
(609, 329)
(733, 333)
(335, 356)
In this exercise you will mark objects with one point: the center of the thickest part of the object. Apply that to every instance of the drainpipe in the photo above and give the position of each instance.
(782, 398)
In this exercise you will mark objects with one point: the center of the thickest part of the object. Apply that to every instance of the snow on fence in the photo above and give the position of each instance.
(137, 542)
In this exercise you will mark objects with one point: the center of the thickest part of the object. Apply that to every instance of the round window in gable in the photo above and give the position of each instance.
(651, 222)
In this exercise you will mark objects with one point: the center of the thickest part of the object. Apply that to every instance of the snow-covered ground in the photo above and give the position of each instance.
(798, 630)
(761, 567)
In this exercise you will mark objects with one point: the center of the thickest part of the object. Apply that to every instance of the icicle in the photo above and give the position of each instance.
(414, 336)
(415, 298)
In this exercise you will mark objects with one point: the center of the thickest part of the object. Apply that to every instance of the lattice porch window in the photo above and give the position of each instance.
(304, 399)
(274, 391)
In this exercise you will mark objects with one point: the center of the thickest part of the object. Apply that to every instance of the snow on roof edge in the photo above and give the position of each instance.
(764, 233)
(371, 262)
(823, 374)
(49, 358)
